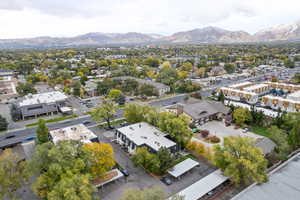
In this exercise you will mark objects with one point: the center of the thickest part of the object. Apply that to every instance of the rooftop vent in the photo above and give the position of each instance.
(144, 137)
(131, 128)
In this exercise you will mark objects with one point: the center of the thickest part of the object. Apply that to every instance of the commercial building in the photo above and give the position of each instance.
(6, 72)
(239, 95)
(144, 135)
(75, 132)
(201, 111)
(277, 96)
(34, 105)
(283, 183)
(7, 88)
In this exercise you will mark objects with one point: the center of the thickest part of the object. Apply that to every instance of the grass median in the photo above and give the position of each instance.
(57, 119)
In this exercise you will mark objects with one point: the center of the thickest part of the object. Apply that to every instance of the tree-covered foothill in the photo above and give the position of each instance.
(240, 160)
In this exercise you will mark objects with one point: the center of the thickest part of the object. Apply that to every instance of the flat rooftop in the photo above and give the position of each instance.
(256, 86)
(203, 186)
(183, 167)
(76, 132)
(284, 183)
(241, 84)
(294, 94)
(47, 98)
(143, 133)
(238, 91)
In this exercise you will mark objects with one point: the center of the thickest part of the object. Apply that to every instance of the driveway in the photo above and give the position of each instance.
(139, 178)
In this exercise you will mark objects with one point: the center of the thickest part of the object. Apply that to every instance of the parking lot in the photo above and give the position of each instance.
(219, 129)
(138, 178)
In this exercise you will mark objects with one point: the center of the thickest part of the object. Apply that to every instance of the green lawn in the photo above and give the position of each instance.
(57, 119)
(260, 130)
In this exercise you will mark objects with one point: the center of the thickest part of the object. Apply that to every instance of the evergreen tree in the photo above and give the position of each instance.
(42, 132)
(3, 123)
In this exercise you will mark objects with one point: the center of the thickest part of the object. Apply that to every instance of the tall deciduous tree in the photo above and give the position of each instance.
(294, 137)
(13, 174)
(42, 132)
(106, 111)
(281, 140)
(241, 160)
(241, 116)
(61, 165)
(101, 158)
(72, 186)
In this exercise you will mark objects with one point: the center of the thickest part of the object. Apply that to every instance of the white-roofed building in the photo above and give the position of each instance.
(283, 184)
(240, 95)
(242, 85)
(182, 167)
(260, 89)
(144, 135)
(34, 105)
(203, 186)
(294, 96)
(75, 132)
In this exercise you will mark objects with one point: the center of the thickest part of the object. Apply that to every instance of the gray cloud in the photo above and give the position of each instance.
(71, 17)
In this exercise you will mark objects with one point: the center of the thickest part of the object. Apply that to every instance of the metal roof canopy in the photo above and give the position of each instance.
(203, 186)
(283, 184)
(182, 167)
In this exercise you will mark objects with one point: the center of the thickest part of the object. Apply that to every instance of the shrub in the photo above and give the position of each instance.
(204, 133)
(196, 147)
(214, 139)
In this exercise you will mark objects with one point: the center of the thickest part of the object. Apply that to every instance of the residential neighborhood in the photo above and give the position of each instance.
(106, 101)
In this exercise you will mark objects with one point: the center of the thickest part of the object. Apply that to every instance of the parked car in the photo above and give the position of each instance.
(87, 122)
(245, 130)
(125, 172)
(124, 124)
(166, 180)
(30, 138)
(10, 136)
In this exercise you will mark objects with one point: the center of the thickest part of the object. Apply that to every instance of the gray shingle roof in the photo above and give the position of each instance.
(204, 108)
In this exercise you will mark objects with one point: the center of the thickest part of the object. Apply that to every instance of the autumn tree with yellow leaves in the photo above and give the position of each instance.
(101, 158)
(241, 160)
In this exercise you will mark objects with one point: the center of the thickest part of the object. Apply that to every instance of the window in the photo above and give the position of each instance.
(35, 108)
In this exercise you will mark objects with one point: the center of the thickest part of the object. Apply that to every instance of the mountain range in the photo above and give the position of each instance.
(285, 32)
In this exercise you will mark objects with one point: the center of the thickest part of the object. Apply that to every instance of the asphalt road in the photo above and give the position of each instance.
(26, 134)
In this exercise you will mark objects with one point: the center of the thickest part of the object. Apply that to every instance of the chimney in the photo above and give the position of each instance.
(179, 108)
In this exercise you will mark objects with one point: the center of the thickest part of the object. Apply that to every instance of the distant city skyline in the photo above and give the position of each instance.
(33, 18)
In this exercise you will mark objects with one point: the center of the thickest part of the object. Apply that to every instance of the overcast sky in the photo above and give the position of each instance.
(29, 18)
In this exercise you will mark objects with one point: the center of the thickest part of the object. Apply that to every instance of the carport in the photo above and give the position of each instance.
(109, 177)
(203, 186)
(182, 167)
